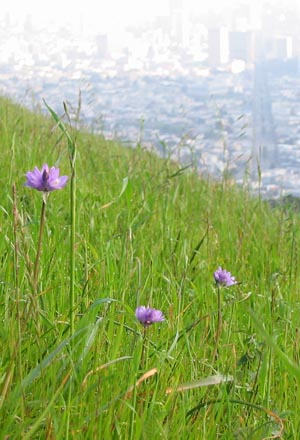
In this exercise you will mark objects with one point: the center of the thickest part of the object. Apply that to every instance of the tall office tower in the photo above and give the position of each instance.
(242, 46)
(284, 47)
(218, 48)
(179, 23)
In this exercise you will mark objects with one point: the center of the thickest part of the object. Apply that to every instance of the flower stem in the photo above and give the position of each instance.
(39, 246)
(142, 360)
(219, 325)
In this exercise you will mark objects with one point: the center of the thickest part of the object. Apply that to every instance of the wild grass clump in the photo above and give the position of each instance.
(81, 354)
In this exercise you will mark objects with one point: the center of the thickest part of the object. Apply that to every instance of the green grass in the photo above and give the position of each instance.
(147, 232)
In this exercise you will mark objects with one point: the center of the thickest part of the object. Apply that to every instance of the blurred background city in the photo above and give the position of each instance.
(216, 86)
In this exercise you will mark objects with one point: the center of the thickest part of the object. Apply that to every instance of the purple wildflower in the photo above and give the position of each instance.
(224, 278)
(147, 315)
(47, 179)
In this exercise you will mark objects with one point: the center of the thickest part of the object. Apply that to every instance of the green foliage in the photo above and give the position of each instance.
(147, 232)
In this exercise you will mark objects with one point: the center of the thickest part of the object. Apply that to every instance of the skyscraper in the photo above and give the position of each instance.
(284, 47)
(218, 49)
(242, 46)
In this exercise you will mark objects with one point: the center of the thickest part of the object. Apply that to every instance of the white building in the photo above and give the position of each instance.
(284, 47)
(218, 46)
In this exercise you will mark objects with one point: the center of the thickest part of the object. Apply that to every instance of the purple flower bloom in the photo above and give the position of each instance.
(148, 316)
(45, 180)
(224, 278)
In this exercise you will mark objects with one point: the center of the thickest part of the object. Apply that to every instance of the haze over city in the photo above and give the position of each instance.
(214, 85)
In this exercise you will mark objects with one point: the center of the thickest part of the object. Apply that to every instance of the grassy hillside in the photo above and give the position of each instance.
(147, 233)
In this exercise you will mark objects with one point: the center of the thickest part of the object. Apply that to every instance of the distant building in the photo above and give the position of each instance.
(279, 48)
(242, 46)
(218, 48)
(284, 47)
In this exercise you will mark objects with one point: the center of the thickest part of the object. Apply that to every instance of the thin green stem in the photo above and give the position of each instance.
(72, 157)
(72, 245)
(39, 246)
(17, 289)
(35, 277)
(219, 324)
(72, 272)
(142, 360)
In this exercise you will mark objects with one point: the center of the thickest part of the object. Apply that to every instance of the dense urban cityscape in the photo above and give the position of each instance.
(219, 89)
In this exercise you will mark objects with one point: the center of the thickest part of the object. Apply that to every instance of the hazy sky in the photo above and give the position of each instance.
(111, 13)
(106, 10)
